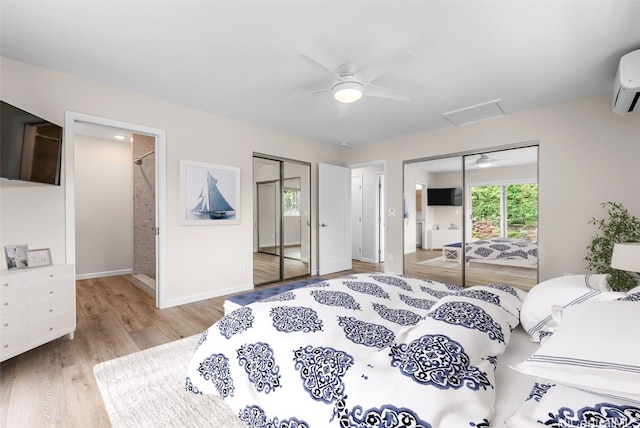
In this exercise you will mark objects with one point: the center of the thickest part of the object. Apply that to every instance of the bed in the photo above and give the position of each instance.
(384, 350)
(503, 251)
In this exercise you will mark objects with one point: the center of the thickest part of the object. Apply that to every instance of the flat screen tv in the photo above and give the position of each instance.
(445, 196)
(30, 147)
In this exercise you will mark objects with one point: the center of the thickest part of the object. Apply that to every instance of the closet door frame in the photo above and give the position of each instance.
(281, 180)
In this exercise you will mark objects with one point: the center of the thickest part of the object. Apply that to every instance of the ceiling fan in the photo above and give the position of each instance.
(485, 161)
(348, 84)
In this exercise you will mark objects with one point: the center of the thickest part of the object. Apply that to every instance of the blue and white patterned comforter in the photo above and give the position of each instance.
(502, 249)
(368, 350)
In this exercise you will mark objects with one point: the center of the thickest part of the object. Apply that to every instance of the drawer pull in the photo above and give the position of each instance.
(6, 324)
(6, 284)
(6, 303)
(50, 310)
(51, 292)
(50, 328)
(6, 346)
(50, 275)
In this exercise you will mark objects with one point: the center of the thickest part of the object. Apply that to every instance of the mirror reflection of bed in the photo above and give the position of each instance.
(499, 200)
(430, 264)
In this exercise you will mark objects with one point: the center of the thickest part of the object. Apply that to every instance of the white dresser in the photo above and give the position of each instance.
(36, 306)
(437, 239)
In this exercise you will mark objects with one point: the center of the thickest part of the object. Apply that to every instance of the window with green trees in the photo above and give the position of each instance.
(291, 202)
(504, 210)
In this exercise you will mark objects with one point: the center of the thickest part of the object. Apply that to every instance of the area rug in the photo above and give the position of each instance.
(234, 302)
(146, 389)
(438, 262)
(520, 272)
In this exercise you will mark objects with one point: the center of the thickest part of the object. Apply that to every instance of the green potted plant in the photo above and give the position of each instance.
(618, 226)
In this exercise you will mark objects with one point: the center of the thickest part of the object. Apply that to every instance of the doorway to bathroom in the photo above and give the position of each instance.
(115, 189)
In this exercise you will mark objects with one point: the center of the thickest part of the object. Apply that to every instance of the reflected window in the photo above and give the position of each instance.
(291, 202)
(504, 211)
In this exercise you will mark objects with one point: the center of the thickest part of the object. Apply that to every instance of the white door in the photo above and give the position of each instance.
(334, 235)
(356, 217)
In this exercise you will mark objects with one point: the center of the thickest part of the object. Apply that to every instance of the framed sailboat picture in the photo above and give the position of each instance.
(209, 194)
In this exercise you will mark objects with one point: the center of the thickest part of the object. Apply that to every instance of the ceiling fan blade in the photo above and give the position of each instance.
(371, 73)
(372, 90)
(303, 94)
(320, 67)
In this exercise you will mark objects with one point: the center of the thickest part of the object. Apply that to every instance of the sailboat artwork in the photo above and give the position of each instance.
(211, 202)
(210, 194)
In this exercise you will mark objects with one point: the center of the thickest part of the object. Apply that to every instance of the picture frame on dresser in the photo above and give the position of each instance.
(39, 257)
(16, 256)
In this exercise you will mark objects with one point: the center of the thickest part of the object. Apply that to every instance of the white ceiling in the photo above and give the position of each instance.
(240, 58)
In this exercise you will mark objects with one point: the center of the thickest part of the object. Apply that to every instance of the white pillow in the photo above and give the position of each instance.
(536, 316)
(595, 348)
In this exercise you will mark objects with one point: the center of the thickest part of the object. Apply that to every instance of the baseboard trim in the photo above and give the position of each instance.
(204, 296)
(93, 275)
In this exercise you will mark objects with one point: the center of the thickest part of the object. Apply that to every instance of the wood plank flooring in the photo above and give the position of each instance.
(53, 385)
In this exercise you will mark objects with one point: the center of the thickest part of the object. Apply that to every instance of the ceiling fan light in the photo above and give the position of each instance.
(347, 92)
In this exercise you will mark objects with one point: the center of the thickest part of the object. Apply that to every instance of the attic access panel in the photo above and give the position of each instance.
(476, 113)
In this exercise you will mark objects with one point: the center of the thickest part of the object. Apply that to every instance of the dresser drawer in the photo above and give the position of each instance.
(12, 344)
(12, 301)
(49, 309)
(13, 282)
(49, 329)
(48, 291)
(13, 322)
(54, 273)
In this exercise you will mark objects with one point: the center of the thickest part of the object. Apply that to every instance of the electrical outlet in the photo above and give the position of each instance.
(243, 267)
(390, 257)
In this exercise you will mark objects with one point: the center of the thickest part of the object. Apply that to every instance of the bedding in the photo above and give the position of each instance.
(363, 350)
(607, 363)
(502, 250)
(586, 371)
(563, 291)
(559, 406)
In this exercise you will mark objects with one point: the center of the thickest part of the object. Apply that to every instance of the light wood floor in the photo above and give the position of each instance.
(266, 267)
(53, 385)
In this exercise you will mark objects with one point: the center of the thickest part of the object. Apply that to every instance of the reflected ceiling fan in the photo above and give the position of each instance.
(349, 84)
(485, 161)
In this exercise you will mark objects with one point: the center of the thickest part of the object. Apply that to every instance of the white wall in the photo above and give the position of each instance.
(104, 222)
(201, 261)
(588, 155)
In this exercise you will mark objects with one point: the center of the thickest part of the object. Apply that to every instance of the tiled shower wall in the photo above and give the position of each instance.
(144, 207)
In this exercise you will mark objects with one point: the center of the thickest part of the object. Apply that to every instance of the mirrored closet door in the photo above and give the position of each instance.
(282, 231)
(473, 219)
(433, 218)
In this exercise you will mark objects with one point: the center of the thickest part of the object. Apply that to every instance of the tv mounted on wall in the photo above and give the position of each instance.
(30, 147)
(446, 196)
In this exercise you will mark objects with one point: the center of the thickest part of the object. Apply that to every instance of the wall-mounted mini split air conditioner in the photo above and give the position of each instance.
(626, 87)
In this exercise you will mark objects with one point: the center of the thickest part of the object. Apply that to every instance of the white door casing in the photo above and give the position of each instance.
(356, 217)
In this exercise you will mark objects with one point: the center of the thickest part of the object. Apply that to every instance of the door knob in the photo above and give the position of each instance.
(323, 225)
